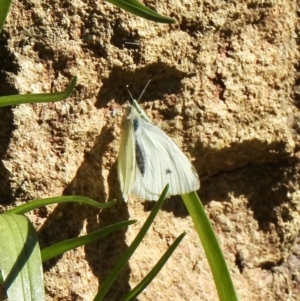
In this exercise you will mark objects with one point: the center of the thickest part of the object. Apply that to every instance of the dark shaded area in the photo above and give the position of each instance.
(297, 87)
(95, 47)
(268, 265)
(121, 38)
(193, 27)
(58, 60)
(44, 51)
(7, 127)
(210, 161)
(8, 66)
(266, 186)
(258, 5)
(219, 86)
(164, 80)
(173, 204)
(240, 262)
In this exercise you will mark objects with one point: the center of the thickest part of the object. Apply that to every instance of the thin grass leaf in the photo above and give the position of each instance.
(124, 259)
(60, 199)
(4, 9)
(37, 98)
(137, 8)
(151, 275)
(67, 245)
(20, 259)
(211, 247)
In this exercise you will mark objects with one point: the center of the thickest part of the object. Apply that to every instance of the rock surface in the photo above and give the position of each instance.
(225, 87)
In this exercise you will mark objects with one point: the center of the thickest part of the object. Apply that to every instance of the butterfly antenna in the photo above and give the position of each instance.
(144, 89)
(127, 88)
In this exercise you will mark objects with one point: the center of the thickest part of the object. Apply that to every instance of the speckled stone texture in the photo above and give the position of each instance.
(225, 87)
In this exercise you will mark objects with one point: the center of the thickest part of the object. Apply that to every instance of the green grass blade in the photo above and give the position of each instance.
(37, 98)
(211, 247)
(67, 245)
(20, 259)
(124, 259)
(137, 8)
(4, 9)
(60, 199)
(145, 282)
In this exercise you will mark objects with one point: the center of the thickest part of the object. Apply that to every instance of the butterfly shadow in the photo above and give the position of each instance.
(164, 80)
(172, 204)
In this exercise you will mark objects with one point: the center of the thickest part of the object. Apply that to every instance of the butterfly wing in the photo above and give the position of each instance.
(126, 157)
(160, 162)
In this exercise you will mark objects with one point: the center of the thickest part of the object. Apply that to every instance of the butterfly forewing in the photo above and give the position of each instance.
(126, 157)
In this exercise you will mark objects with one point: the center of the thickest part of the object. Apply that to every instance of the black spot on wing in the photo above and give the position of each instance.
(140, 157)
(168, 171)
(135, 124)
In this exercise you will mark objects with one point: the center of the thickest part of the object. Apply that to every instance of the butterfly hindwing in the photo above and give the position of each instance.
(163, 162)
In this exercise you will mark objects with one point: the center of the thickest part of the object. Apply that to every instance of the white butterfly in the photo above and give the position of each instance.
(149, 159)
